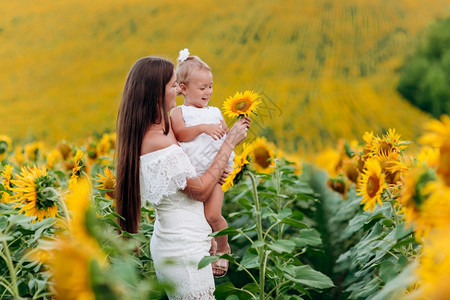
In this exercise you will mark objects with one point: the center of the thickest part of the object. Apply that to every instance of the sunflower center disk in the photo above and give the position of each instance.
(261, 157)
(241, 105)
(373, 185)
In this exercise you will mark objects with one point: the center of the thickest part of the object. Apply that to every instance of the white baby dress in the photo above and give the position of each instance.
(180, 237)
(203, 149)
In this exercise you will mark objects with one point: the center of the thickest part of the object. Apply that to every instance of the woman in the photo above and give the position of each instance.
(151, 167)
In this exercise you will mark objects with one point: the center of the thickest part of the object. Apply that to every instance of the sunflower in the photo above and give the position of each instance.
(69, 265)
(428, 156)
(389, 146)
(371, 184)
(392, 136)
(52, 158)
(240, 166)
(104, 145)
(338, 185)
(437, 132)
(107, 183)
(78, 203)
(241, 104)
(6, 175)
(384, 149)
(35, 193)
(91, 152)
(78, 168)
(439, 196)
(329, 160)
(393, 170)
(434, 266)
(65, 149)
(414, 196)
(369, 138)
(33, 151)
(438, 136)
(350, 167)
(71, 254)
(19, 155)
(5, 146)
(262, 155)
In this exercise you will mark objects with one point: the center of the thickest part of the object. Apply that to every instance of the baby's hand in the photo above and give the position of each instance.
(225, 174)
(214, 130)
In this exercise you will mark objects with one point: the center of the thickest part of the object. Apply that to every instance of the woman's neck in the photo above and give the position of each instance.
(160, 125)
(157, 127)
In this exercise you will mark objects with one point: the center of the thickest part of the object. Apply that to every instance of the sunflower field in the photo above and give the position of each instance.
(330, 66)
(340, 191)
(370, 223)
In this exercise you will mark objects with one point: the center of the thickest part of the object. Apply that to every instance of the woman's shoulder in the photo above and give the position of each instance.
(155, 143)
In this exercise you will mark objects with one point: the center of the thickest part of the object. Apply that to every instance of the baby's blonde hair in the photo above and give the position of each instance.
(185, 68)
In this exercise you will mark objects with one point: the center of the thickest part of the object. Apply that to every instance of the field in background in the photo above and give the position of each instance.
(328, 69)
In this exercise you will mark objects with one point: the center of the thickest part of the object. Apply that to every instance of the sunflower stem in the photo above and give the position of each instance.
(394, 212)
(247, 271)
(278, 207)
(12, 272)
(89, 180)
(261, 252)
(278, 198)
(63, 206)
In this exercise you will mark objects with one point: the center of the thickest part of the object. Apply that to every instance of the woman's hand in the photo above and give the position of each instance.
(225, 174)
(238, 132)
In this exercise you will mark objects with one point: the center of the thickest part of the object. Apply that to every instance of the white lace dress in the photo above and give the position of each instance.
(203, 149)
(180, 237)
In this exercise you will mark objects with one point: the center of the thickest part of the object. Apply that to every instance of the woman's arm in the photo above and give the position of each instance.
(201, 187)
(185, 133)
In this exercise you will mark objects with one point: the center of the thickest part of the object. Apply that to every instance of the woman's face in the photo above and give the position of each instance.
(171, 92)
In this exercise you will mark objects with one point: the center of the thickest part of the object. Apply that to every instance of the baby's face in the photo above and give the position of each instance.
(199, 89)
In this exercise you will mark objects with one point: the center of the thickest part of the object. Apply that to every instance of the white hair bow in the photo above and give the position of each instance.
(184, 54)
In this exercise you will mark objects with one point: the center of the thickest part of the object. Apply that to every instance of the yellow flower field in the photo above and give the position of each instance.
(385, 209)
(340, 191)
(326, 70)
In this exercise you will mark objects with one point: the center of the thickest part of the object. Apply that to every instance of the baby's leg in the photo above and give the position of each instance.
(213, 214)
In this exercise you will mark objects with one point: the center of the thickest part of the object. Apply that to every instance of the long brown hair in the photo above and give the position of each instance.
(143, 100)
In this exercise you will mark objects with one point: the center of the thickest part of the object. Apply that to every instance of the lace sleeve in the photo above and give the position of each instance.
(164, 174)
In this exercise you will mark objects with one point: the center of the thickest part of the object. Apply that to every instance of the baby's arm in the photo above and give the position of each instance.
(185, 133)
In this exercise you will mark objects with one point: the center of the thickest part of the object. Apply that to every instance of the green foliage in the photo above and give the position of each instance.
(269, 237)
(127, 274)
(425, 79)
(291, 238)
(364, 250)
(20, 278)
